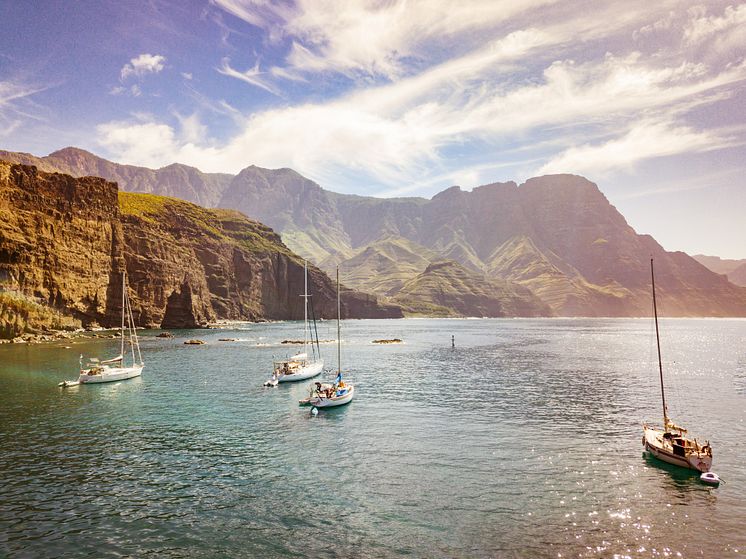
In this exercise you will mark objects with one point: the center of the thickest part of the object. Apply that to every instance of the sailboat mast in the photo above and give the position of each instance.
(339, 337)
(305, 306)
(121, 332)
(658, 342)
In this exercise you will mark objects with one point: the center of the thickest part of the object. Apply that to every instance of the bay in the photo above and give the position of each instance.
(522, 441)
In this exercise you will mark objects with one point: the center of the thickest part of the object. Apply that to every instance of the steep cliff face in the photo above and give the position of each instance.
(57, 239)
(65, 241)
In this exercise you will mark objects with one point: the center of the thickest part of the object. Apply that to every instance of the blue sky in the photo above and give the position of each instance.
(647, 99)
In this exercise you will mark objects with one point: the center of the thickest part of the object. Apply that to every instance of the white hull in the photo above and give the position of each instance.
(322, 402)
(309, 371)
(112, 374)
(656, 445)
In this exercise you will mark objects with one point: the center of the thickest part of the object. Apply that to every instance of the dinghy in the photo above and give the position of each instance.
(710, 478)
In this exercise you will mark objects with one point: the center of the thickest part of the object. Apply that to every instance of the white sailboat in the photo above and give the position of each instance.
(114, 369)
(670, 443)
(300, 366)
(339, 393)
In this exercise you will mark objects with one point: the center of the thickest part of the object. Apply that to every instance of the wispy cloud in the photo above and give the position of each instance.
(360, 38)
(251, 76)
(646, 139)
(16, 105)
(143, 64)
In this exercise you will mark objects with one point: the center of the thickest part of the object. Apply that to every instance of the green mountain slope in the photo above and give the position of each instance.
(448, 289)
(384, 266)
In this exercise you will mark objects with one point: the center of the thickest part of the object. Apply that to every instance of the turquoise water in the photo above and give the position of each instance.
(523, 441)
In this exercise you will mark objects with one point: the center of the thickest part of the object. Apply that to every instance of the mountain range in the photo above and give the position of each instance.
(553, 245)
(65, 242)
(734, 270)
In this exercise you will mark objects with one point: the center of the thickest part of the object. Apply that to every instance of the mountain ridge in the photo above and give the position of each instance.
(583, 258)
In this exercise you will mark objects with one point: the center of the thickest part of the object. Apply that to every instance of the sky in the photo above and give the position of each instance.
(403, 98)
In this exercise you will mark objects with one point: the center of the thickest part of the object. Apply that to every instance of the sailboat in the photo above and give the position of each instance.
(299, 366)
(114, 369)
(339, 393)
(670, 443)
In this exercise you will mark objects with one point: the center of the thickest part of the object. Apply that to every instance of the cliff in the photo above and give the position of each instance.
(65, 241)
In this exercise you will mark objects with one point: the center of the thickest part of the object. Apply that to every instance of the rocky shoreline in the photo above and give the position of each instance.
(57, 335)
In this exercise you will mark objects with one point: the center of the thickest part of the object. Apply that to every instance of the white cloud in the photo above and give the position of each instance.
(251, 76)
(702, 27)
(142, 65)
(644, 140)
(395, 134)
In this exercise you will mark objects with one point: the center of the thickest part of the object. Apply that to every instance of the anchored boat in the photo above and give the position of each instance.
(339, 393)
(115, 369)
(299, 366)
(670, 443)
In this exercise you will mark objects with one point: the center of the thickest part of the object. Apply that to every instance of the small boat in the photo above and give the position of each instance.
(272, 381)
(69, 383)
(710, 478)
(299, 366)
(112, 370)
(329, 395)
(670, 443)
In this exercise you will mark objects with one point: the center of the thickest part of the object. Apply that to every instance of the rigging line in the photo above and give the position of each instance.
(134, 328)
(121, 332)
(315, 328)
(131, 324)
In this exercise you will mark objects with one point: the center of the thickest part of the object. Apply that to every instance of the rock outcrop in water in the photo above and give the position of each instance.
(64, 242)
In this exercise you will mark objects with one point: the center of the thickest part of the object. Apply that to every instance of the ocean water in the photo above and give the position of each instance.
(522, 441)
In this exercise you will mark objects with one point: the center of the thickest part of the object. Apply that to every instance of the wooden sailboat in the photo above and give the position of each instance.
(300, 366)
(670, 443)
(338, 393)
(114, 369)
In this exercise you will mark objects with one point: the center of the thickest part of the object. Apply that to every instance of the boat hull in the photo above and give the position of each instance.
(321, 402)
(112, 375)
(309, 371)
(652, 441)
